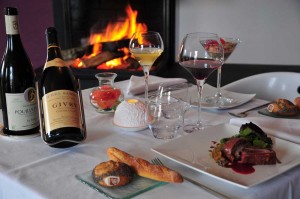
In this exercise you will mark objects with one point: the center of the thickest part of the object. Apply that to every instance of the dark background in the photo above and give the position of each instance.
(34, 17)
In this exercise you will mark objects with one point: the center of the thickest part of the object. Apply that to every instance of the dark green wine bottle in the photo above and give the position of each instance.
(17, 85)
(62, 117)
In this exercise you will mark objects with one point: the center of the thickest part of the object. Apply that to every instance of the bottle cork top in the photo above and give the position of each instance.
(10, 11)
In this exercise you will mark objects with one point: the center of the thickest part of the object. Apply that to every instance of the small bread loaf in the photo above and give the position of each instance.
(144, 168)
(297, 102)
(283, 107)
(112, 174)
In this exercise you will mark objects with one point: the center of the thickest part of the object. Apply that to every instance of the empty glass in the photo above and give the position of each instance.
(179, 91)
(166, 114)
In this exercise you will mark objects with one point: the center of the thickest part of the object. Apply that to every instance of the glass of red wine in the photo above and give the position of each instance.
(198, 58)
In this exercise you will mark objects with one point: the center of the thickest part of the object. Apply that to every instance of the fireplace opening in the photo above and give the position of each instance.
(94, 35)
(107, 47)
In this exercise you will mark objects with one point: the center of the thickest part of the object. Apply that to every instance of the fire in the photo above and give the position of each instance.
(115, 31)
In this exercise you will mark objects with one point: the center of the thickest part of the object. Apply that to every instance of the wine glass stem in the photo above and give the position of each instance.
(146, 75)
(200, 84)
(219, 94)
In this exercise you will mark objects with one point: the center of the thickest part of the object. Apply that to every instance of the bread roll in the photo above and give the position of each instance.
(297, 102)
(112, 174)
(283, 107)
(144, 168)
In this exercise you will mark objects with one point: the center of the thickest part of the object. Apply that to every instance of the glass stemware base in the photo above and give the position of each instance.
(195, 127)
(218, 100)
(191, 128)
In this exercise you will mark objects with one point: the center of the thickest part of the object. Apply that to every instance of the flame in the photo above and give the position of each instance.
(115, 31)
(119, 63)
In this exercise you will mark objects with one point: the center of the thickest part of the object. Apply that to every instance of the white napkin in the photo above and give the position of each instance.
(287, 129)
(137, 84)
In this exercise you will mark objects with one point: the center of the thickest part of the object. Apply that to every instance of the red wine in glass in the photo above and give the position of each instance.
(200, 68)
(195, 57)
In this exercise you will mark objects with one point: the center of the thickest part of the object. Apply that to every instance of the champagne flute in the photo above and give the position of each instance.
(218, 99)
(146, 47)
(195, 57)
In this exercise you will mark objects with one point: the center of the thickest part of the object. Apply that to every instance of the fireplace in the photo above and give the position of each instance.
(77, 21)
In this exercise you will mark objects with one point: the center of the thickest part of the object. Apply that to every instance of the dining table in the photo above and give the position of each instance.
(29, 168)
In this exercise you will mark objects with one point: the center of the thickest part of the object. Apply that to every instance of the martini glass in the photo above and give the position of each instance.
(196, 59)
(146, 47)
(229, 45)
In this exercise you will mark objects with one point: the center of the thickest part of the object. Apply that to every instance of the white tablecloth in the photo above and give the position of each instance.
(31, 169)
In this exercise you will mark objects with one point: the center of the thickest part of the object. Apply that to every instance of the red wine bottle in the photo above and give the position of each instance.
(61, 109)
(17, 85)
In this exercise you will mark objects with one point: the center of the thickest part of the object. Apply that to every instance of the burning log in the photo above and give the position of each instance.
(73, 53)
(96, 54)
(94, 61)
(78, 52)
(101, 58)
(133, 63)
(108, 48)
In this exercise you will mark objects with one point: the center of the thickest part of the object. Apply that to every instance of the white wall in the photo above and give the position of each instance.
(269, 29)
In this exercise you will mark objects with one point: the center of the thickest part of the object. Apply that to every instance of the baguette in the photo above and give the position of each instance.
(144, 168)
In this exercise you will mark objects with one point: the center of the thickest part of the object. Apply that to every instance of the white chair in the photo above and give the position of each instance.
(269, 86)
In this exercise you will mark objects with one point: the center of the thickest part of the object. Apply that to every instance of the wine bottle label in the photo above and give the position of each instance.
(11, 25)
(61, 109)
(57, 62)
(22, 110)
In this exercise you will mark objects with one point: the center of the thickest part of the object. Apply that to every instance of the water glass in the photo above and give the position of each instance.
(179, 91)
(166, 114)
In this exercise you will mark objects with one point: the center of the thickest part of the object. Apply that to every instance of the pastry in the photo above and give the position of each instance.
(283, 107)
(297, 102)
(112, 174)
(144, 168)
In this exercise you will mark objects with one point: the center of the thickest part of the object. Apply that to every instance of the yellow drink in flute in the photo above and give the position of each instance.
(146, 56)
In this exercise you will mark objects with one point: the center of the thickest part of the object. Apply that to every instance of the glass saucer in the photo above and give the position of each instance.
(138, 186)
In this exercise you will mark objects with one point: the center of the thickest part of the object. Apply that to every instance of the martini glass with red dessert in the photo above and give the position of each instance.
(229, 45)
(196, 59)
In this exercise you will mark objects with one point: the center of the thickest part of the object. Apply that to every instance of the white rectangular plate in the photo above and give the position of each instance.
(208, 91)
(192, 150)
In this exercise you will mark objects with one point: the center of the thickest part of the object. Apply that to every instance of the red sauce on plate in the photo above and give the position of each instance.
(242, 168)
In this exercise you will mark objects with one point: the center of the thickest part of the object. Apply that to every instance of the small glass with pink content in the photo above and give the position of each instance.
(106, 97)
